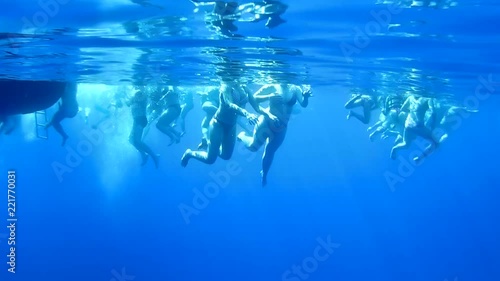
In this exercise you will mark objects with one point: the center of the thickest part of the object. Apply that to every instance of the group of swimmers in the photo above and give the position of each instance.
(404, 117)
(167, 107)
(407, 117)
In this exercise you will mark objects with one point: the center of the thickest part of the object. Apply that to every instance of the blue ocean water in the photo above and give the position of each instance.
(336, 206)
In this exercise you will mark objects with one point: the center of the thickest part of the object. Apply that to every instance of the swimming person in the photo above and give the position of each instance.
(170, 114)
(391, 120)
(367, 102)
(447, 118)
(68, 108)
(210, 103)
(138, 104)
(186, 107)
(222, 131)
(272, 127)
(417, 107)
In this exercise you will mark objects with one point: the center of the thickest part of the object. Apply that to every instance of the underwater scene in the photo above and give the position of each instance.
(185, 140)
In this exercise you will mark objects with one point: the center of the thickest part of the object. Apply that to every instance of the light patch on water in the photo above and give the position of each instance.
(107, 30)
(28, 127)
(107, 4)
(118, 155)
(115, 61)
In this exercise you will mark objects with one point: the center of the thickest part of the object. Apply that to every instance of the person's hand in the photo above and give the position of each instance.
(252, 118)
(307, 94)
(273, 118)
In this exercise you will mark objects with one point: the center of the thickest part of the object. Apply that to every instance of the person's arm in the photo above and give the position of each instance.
(407, 102)
(265, 92)
(302, 96)
(253, 102)
(228, 99)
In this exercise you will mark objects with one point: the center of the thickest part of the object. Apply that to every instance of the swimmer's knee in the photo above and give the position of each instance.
(211, 159)
(225, 157)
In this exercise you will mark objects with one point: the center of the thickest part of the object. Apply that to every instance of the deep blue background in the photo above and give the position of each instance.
(327, 179)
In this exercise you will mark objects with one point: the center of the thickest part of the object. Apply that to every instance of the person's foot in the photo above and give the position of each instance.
(393, 154)
(349, 115)
(203, 145)
(240, 136)
(144, 157)
(263, 178)
(185, 157)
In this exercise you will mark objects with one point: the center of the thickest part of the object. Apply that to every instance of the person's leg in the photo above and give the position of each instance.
(228, 143)
(357, 116)
(260, 135)
(271, 147)
(135, 139)
(66, 110)
(408, 137)
(165, 121)
(353, 102)
(213, 149)
(426, 134)
(380, 129)
(367, 112)
(185, 109)
(56, 123)
(137, 142)
(210, 110)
